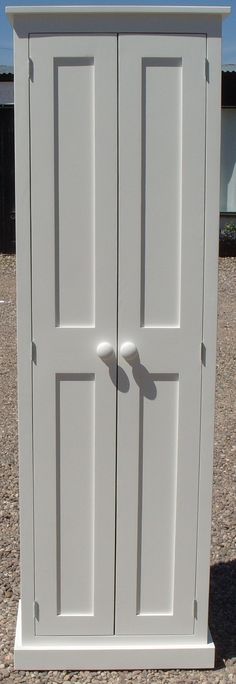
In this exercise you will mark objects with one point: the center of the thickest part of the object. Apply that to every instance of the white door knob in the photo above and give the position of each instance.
(129, 351)
(105, 351)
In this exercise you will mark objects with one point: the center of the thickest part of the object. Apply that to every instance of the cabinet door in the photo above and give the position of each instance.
(73, 114)
(161, 218)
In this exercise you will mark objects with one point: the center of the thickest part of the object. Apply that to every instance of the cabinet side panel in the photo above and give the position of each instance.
(213, 119)
(24, 336)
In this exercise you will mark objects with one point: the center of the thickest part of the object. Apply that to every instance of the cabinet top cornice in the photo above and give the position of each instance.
(115, 9)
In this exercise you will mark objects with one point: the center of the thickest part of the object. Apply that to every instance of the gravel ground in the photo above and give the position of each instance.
(223, 570)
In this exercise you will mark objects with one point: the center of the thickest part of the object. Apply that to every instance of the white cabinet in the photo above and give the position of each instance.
(117, 166)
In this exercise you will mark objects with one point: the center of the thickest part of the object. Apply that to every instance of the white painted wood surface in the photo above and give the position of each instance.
(160, 309)
(12, 11)
(75, 337)
(73, 198)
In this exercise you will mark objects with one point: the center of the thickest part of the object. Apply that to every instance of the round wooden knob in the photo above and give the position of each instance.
(129, 351)
(105, 351)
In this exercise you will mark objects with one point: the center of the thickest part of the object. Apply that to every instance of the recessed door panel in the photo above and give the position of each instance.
(161, 230)
(73, 114)
(161, 91)
(74, 107)
(75, 429)
(157, 479)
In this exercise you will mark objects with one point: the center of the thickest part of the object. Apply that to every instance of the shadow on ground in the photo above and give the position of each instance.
(222, 611)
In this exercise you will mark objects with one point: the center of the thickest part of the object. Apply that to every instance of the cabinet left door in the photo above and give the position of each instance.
(73, 131)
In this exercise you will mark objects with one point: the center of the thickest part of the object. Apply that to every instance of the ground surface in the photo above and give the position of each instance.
(223, 570)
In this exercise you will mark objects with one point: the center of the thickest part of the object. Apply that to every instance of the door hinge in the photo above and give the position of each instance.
(31, 69)
(195, 609)
(36, 610)
(207, 70)
(34, 352)
(203, 354)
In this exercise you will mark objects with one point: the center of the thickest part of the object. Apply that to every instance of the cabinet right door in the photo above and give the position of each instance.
(162, 91)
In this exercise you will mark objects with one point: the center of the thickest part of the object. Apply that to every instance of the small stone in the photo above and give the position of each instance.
(8, 658)
(5, 672)
(8, 593)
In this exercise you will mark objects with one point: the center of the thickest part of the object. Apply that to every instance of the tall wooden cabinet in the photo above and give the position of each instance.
(117, 174)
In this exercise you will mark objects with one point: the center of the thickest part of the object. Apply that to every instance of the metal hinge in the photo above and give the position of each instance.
(207, 70)
(31, 69)
(34, 352)
(195, 609)
(203, 354)
(36, 610)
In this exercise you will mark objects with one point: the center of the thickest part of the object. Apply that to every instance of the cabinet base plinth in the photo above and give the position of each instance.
(33, 658)
(111, 653)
